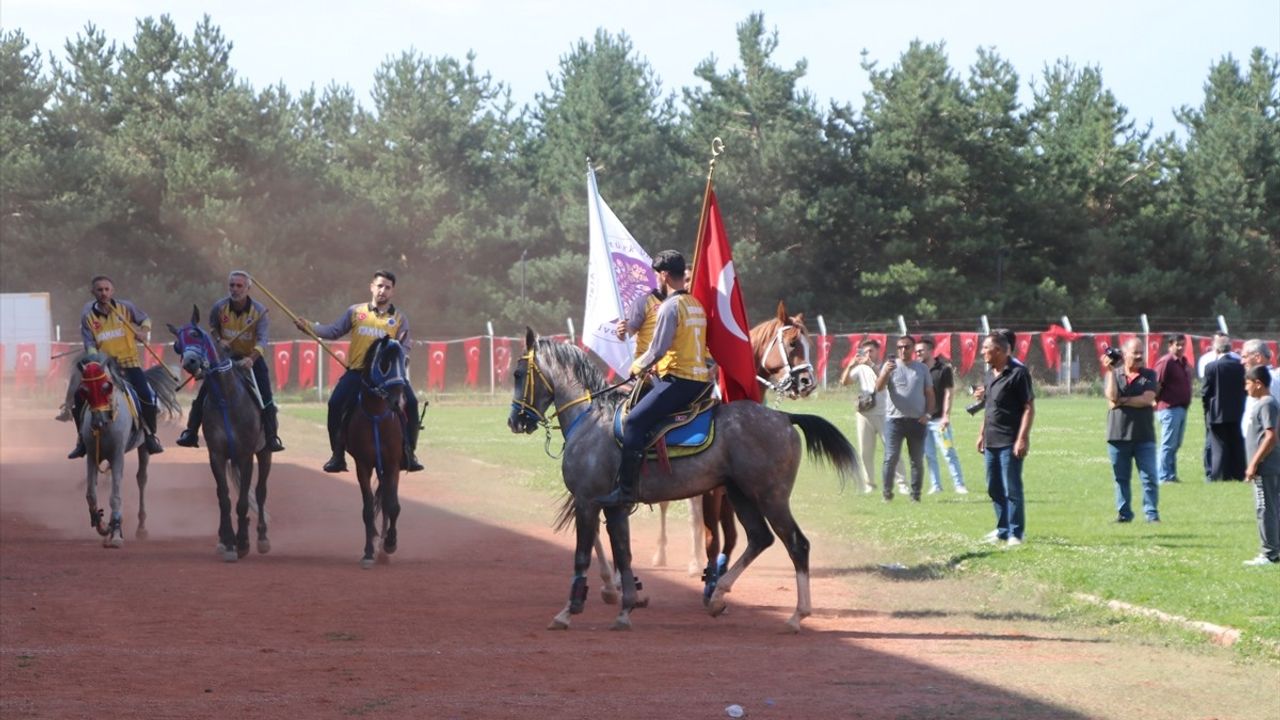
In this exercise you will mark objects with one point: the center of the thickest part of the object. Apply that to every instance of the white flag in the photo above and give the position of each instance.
(619, 273)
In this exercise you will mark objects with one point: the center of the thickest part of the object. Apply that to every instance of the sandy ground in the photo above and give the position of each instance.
(453, 626)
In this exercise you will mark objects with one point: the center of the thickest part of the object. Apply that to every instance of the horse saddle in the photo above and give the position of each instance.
(681, 434)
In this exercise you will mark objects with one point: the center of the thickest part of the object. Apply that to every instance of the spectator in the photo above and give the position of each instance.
(1264, 462)
(1173, 396)
(1254, 353)
(1005, 438)
(1212, 354)
(1131, 433)
(1222, 395)
(870, 404)
(939, 435)
(911, 402)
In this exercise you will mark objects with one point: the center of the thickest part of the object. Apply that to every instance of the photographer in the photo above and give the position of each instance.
(1131, 432)
(911, 402)
(862, 372)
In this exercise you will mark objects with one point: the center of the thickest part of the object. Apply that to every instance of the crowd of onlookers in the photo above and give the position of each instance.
(908, 398)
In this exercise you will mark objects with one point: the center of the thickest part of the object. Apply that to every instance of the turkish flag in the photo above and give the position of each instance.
(336, 365)
(1155, 343)
(1275, 360)
(283, 354)
(471, 346)
(715, 285)
(1101, 343)
(824, 353)
(1049, 344)
(59, 358)
(1124, 338)
(1189, 352)
(308, 354)
(854, 339)
(1237, 346)
(561, 337)
(942, 345)
(968, 350)
(435, 364)
(501, 359)
(24, 365)
(1206, 344)
(1024, 346)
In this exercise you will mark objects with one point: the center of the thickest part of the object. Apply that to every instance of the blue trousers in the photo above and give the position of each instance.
(1173, 425)
(344, 396)
(1004, 487)
(937, 438)
(1124, 455)
(669, 394)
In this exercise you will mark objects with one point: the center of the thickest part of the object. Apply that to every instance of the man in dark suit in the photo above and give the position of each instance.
(1222, 395)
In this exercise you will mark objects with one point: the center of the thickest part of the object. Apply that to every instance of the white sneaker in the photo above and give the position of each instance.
(903, 489)
(1261, 561)
(962, 490)
(935, 490)
(992, 537)
(1014, 541)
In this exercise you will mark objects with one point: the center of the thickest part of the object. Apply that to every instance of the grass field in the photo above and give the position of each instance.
(1188, 565)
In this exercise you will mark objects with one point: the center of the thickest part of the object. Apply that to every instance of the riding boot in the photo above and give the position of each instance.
(190, 437)
(152, 443)
(411, 463)
(628, 476)
(271, 428)
(337, 463)
(76, 412)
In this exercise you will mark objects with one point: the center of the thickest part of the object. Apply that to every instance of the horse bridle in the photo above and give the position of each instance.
(793, 371)
(380, 382)
(203, 348)
(525, 409)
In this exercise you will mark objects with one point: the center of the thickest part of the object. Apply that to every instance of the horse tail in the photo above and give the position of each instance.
(566, 514)
(165, 389)
(825, 442)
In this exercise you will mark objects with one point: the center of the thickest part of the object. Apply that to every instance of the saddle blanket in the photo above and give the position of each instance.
(685, 433)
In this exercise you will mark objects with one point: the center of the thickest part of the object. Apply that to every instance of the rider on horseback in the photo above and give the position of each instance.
(113, 328)
(679, 347)
(367, 323)
(240, 322)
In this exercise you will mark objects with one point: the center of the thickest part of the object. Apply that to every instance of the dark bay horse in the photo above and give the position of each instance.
(375, 439)
(109, 431)
(232, 427)
(755, 456)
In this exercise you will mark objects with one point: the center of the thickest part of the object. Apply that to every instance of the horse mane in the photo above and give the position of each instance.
(577, 363)
(761, 334)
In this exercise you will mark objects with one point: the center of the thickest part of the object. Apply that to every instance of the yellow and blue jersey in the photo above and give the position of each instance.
(108, 331)
(366, 325)
(230, 326)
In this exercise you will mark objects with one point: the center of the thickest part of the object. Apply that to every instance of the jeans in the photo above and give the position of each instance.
(939, 437)
(895, 430)
(1004, 487)
(1173, 423)
(669, 395)
(1124, 454)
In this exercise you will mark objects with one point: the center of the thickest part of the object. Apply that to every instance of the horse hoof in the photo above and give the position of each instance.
(141, 533)
(660, 559)
(621, 623)
(242, 550)
(229, 556)
(264, 546)
(366, 563)
(389, 549)
(642, 602)
(717, 606)
(609, 596)
(558, 624)
(384, 559)
(793, 625)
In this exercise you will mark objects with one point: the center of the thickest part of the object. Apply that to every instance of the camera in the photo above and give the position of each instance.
(974, 407)
(1113, 353)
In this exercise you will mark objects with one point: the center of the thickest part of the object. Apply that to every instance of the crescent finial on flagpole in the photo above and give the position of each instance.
(717, 147)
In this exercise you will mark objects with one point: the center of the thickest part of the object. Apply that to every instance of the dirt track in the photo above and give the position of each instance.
(454, 625)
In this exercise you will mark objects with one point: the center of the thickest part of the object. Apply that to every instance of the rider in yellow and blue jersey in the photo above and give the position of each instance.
(678, 350)
(114, 327)
(367, 322)
(239, 323)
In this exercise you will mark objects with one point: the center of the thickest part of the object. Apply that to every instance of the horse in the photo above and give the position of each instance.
(375, 439)
(110, 430)
(755, 455)
(781, 349)
(233, 434)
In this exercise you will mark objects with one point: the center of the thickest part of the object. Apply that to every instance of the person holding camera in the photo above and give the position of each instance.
(907, 415)
(862, 372)
(1130, 389)
(1005, 437)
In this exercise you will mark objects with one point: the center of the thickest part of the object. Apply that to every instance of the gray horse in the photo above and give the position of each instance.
(755, 455)
(110, 430)
(232, 425)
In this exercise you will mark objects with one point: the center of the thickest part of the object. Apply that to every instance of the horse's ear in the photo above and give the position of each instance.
(195, 315)
(172, 329)
(799, 319)
(530, 338)
(782, 312)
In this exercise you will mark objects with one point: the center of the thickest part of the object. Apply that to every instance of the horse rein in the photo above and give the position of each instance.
(526, 408)
(779, 342)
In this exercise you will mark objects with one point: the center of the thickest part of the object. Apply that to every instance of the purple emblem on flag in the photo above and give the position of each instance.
(634, 278)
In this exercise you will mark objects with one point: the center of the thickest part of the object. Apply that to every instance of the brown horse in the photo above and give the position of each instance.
(376, 440)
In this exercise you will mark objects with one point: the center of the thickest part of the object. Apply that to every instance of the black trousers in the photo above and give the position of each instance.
(1224, 455)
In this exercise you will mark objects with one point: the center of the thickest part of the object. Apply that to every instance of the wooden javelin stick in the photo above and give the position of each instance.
(115, 309)
(298, 320)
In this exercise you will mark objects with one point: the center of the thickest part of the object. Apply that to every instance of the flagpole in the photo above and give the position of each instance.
(717, 149)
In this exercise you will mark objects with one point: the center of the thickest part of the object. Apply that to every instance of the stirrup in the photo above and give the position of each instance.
(617, 498)
(411, 463)
(188, 438)
(336, 464)
(153, 445)
(274, 444)
(79, 451)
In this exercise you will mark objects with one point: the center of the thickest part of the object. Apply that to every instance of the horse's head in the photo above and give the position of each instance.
(782, 354)
(383, 370)
(97, 387)
(195, 346)
(531, 391)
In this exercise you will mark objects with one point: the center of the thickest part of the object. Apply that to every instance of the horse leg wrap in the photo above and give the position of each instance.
(95, 517)
(710, 577)
(578, 595)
